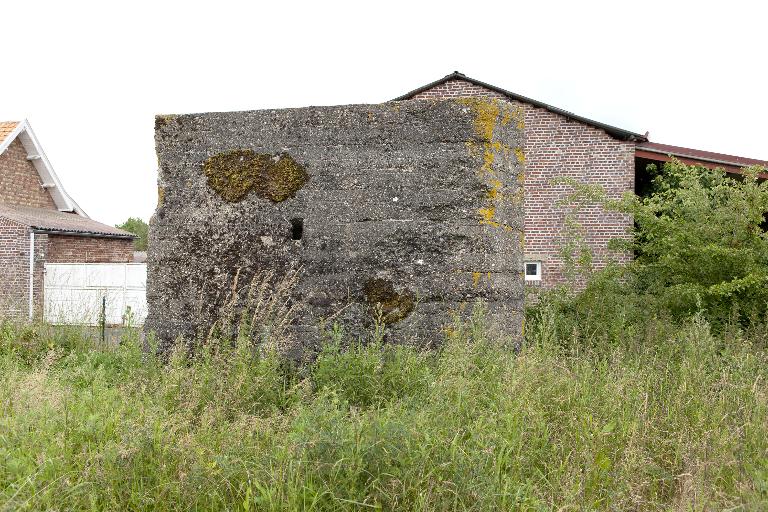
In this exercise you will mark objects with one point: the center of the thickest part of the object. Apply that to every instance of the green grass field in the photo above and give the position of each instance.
(673, 419)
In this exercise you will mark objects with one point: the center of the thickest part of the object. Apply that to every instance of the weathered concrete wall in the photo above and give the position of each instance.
(416, 205)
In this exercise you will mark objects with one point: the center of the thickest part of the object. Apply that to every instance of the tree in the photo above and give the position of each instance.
(139, 228)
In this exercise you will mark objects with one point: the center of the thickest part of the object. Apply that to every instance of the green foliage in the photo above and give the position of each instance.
(373, 374)
(665, 418)
(139, 228)
(700, 244)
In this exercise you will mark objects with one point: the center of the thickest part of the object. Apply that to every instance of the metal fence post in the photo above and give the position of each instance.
(103, 319)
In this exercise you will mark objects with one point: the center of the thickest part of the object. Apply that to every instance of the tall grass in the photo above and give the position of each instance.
(671, 418)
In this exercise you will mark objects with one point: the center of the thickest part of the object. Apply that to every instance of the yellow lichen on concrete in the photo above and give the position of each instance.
(486, 113)
(489, 113)
(163, 120)
(487, 213)
(494, 193)
(488, 157)
(471, 147)
(160, 196)
(520, 154)
(476, 279)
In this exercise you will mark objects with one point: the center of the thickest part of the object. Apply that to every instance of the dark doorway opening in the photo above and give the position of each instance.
(297, 229)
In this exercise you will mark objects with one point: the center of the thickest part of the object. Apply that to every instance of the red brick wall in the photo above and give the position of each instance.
(82, 249)
(14, 268)
(457, 89)
(19, 181)
(558, 147)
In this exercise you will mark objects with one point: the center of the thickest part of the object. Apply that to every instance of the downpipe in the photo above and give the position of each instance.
(31, 274)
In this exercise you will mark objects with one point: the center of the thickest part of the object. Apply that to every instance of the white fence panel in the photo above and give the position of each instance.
(75, 293)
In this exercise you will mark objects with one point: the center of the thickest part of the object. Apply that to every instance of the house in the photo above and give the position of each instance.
(560, 144)
(40, 223)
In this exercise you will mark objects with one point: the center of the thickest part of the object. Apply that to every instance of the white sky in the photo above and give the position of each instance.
(90, 76)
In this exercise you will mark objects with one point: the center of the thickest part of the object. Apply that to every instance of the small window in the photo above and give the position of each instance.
(297, 229)
(533, 271)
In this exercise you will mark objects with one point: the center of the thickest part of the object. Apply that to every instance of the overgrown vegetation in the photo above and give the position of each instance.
(700, 243)
(139, 228)
(700, 246)
(668, 418)
(631, 394)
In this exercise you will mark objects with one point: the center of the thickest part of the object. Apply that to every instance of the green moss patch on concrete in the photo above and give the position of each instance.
(380, 293)
(161, 121)
(235, 174)
(285, 177)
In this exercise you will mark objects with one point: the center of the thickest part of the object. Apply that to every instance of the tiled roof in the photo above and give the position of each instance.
(6, 127)
(59, 222)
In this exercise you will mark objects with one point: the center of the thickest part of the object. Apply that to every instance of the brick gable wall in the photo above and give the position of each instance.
(83, 249)
(556, 146)
(19, 180)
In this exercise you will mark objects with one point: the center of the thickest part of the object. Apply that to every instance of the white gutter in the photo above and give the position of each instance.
(31, 274)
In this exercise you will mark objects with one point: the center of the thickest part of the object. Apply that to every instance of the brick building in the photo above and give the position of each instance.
(40, 223)
(560, 144)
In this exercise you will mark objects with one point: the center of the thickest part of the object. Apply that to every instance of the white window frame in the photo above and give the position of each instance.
(532, 277)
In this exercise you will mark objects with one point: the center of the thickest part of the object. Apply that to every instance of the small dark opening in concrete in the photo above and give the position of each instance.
(297, 229)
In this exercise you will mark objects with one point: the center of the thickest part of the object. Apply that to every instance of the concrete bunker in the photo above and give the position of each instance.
(409, 211)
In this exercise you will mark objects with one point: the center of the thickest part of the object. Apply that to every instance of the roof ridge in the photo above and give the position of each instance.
(614, 131)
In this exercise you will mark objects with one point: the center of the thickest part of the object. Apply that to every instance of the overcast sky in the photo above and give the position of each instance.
(90, 76)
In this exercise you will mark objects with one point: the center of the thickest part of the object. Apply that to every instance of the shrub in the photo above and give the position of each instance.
(700, 242)
(700, 246)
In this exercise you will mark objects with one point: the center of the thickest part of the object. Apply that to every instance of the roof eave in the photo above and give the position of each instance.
(692, 159)
(616, 132)
(89, 234)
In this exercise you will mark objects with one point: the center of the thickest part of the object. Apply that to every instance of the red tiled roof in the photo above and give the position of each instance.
(697, 154)
(60, 222)
(6, 127)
